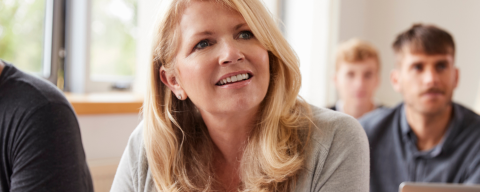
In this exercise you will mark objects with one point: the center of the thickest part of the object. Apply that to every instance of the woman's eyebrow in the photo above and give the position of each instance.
(239, 26)
(203, 33)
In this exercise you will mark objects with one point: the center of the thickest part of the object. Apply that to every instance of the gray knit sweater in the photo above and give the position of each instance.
(337, 161)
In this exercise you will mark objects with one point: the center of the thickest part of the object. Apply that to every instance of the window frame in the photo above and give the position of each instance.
(78, 43)
(54, 42)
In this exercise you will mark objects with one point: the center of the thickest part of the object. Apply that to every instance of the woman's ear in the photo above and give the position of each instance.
(170, 80)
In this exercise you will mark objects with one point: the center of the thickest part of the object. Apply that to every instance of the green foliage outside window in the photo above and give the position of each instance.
(21, 33)
(113, 42)
(113, 35)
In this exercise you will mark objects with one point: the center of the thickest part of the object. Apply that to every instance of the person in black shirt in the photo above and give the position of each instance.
(41, 148)
(428, 138)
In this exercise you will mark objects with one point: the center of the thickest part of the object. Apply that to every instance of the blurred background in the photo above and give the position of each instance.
(97, 52)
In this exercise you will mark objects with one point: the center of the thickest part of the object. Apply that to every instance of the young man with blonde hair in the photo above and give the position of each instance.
(428, 137)
(356, 78)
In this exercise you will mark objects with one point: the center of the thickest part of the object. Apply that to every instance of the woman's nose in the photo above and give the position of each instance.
(230, 53)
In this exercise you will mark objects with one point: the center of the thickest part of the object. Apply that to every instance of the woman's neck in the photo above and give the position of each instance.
(229, 133)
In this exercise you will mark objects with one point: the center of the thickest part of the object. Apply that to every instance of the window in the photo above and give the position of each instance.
(101, 45)
(21, 33)
(113, 39)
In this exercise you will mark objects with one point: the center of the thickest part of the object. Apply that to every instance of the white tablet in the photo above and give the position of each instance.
(437, 187)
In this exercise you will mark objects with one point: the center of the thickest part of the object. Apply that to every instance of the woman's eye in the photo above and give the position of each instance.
(245, 35)
(202, 44)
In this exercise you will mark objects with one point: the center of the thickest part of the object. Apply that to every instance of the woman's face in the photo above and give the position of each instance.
(220, 65)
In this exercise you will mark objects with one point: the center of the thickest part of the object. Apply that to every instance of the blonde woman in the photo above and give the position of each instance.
(222, 112)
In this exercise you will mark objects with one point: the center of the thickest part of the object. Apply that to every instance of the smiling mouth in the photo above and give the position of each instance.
(234, 79)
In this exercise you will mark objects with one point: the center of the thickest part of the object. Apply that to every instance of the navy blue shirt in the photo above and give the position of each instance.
(394, 157)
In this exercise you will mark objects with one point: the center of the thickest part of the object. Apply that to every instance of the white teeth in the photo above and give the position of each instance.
(234, 78)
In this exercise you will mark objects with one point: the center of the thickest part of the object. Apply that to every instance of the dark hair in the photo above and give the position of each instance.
(427, 39)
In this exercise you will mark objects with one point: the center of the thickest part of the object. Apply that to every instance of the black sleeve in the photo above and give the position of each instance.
(47, 153)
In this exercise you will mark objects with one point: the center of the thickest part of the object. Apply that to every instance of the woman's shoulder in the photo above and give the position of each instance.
(330, 126)
(135, 142)
(136, 149)
(133, 173)
(338, 153)
(136, 138)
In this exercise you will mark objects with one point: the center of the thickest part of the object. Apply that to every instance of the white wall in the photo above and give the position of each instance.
(105, 137)
(379, 21)
(307, 29)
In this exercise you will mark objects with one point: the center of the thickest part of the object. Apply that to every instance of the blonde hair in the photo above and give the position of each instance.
(178, 147)
(356, 50)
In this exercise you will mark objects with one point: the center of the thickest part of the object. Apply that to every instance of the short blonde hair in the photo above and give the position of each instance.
(178, 146)
(355, 50)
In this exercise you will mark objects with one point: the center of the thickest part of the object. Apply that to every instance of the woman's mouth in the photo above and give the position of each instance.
(234, 79)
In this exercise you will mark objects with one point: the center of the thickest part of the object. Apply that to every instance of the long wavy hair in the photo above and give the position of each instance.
(178, 146)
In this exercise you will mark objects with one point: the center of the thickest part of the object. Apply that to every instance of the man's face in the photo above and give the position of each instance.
(356, 82)
(426, 82)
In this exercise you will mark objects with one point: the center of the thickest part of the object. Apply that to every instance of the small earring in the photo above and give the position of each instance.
(179, 96)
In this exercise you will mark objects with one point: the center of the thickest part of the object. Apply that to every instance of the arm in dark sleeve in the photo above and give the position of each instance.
(48, 154)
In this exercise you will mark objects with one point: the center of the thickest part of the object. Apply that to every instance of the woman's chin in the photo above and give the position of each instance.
(233, 108)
